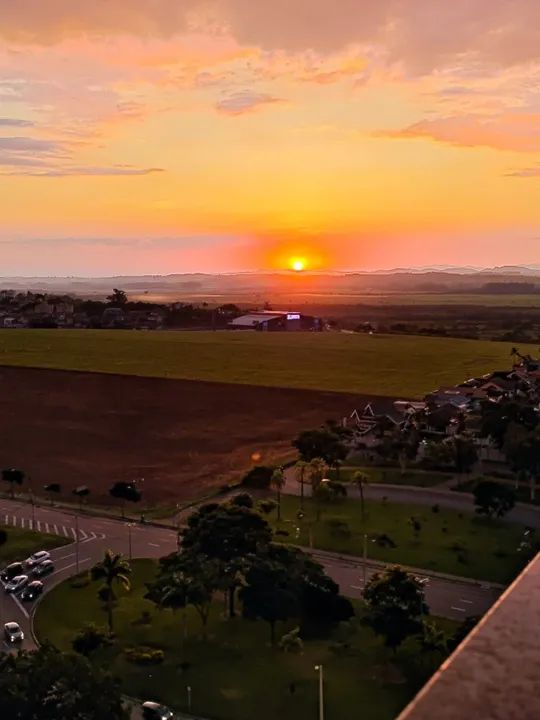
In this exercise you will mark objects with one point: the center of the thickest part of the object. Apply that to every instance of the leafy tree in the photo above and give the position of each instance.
(493, 499)
(258, 478)
(266, 506)
(228, 534)
(465, 454)
(438, 455)
(462, 631)
(186, 579)
(269, 593)
(113, 570)
(13, 477)
(277, 482)
(118, 298)
(317, 469)
(125, 491)
(321, 443)
(523, 453)
(395, 602)
(52, 489)
(47, 684)
(432, 641)
(90, 638)
(498, 417)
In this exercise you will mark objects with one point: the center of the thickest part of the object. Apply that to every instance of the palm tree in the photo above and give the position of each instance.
(317, 470)
(300, 471)
(113, 570)
(277, 481)
(360, 479)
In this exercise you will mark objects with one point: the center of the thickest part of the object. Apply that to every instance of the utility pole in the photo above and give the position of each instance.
(129, 525)
(188, 688)
(321, 691)
(365, 559)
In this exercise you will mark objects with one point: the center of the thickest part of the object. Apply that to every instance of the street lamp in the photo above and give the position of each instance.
(188, 690)
(319, 669)
(129, 526)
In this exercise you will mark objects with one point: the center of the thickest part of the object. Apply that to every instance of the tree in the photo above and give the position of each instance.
(321, 443)
(438, 455)
(432, 641)
(360, 479)
(462, 631)
(47, 684)
(113, 570)
(465, 454)
(52, 489)
(258, 477)
(243, 500)
(90, 638)
(81, 493)
(186, 579)
(299, 472)
(396, 605)
(118, 298)
(523, 452)
(228, 534)
(125, 491)
(277, 482)
(3, 537)
(269, 593)
(13, 477)
(493, 499)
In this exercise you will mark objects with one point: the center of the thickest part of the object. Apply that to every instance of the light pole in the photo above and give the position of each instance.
(365, 560)
(319, 668)
(77, 543)
(33, 510)
(129, 526)
(188, 689)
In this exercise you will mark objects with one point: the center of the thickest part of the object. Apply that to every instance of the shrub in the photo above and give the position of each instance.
(435, 508)
(267, 506)
(259, 477)
(283, 533)
(90, 638)
(3, 537)
(291, 642)
(144, 655)
(339, 528)
(384, 540)
(81, 582)
(243, 500)
(144, 619)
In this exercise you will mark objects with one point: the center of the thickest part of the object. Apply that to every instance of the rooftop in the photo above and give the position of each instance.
(495, 673)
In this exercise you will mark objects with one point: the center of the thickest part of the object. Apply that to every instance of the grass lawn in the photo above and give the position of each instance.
(22, 543)
(470, 546)
(235, 675)
(392, 365)
(393, 476)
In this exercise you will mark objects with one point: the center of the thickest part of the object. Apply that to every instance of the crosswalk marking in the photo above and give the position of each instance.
(49, 528)
(22, 523)
(39, 525)
(46, 527)
(65, 531)
(56, 530)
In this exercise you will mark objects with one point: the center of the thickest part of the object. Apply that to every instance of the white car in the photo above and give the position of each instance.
(13, 632)
(18, 582)
(37, 558)
(155, 711)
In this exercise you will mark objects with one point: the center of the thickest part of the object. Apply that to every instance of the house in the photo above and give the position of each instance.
(275, 320)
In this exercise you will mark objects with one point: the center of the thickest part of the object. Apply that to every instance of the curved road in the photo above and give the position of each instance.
(448, 597)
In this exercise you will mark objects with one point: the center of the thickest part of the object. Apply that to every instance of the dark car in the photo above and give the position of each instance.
(16, 584)
(13, 632)
(44, 568)
(155, 711)
(9, 572)
(32, 590)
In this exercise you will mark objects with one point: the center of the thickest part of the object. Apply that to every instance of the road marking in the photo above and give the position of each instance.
(46, 527)
(21, 606)
(64, 557)
(468, 602)
(67, 567)
(22, 522)
(14, 520)
(73, 533)
(357, 587)
(458, 609)
(65, 531)
(153, 544)
(7, 521)
(39, 525)
(56, 530)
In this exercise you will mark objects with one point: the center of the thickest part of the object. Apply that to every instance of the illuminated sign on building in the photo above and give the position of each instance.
(293, 316)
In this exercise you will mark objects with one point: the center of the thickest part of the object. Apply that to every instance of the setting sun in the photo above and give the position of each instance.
(297, 264)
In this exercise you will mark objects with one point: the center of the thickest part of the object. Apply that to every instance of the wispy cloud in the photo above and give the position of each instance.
(528, 172)
(16, 123)
(245, 101)
(71, 171)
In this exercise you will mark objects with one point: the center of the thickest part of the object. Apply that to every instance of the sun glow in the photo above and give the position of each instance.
(298, 264)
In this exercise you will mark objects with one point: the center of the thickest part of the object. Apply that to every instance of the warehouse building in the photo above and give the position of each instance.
(275, 320)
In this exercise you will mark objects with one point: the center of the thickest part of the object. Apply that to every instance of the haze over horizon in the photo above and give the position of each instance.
(164, 137)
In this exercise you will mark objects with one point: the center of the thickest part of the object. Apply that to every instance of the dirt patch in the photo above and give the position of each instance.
(181, 436)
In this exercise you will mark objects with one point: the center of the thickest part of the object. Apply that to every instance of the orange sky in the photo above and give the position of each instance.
(166, 136)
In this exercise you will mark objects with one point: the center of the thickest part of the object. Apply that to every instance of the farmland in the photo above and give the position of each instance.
(390, 365)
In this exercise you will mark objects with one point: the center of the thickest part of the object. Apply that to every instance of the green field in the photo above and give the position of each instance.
(470, 546)
(22, 543)
(235, 674)
(392, 365)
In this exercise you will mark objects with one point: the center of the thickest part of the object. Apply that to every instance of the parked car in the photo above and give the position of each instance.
(16, 584)
(32, 591)
(44, 568)
(13, 632)
(155, 711)
(9, 572)
(37, 558)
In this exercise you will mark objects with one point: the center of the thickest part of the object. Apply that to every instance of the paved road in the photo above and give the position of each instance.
(522, 513)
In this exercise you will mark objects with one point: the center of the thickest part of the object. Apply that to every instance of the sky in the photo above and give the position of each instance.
(170, 136)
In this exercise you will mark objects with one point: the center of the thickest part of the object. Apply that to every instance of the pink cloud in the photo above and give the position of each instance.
(509, 131)
(245, 101)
